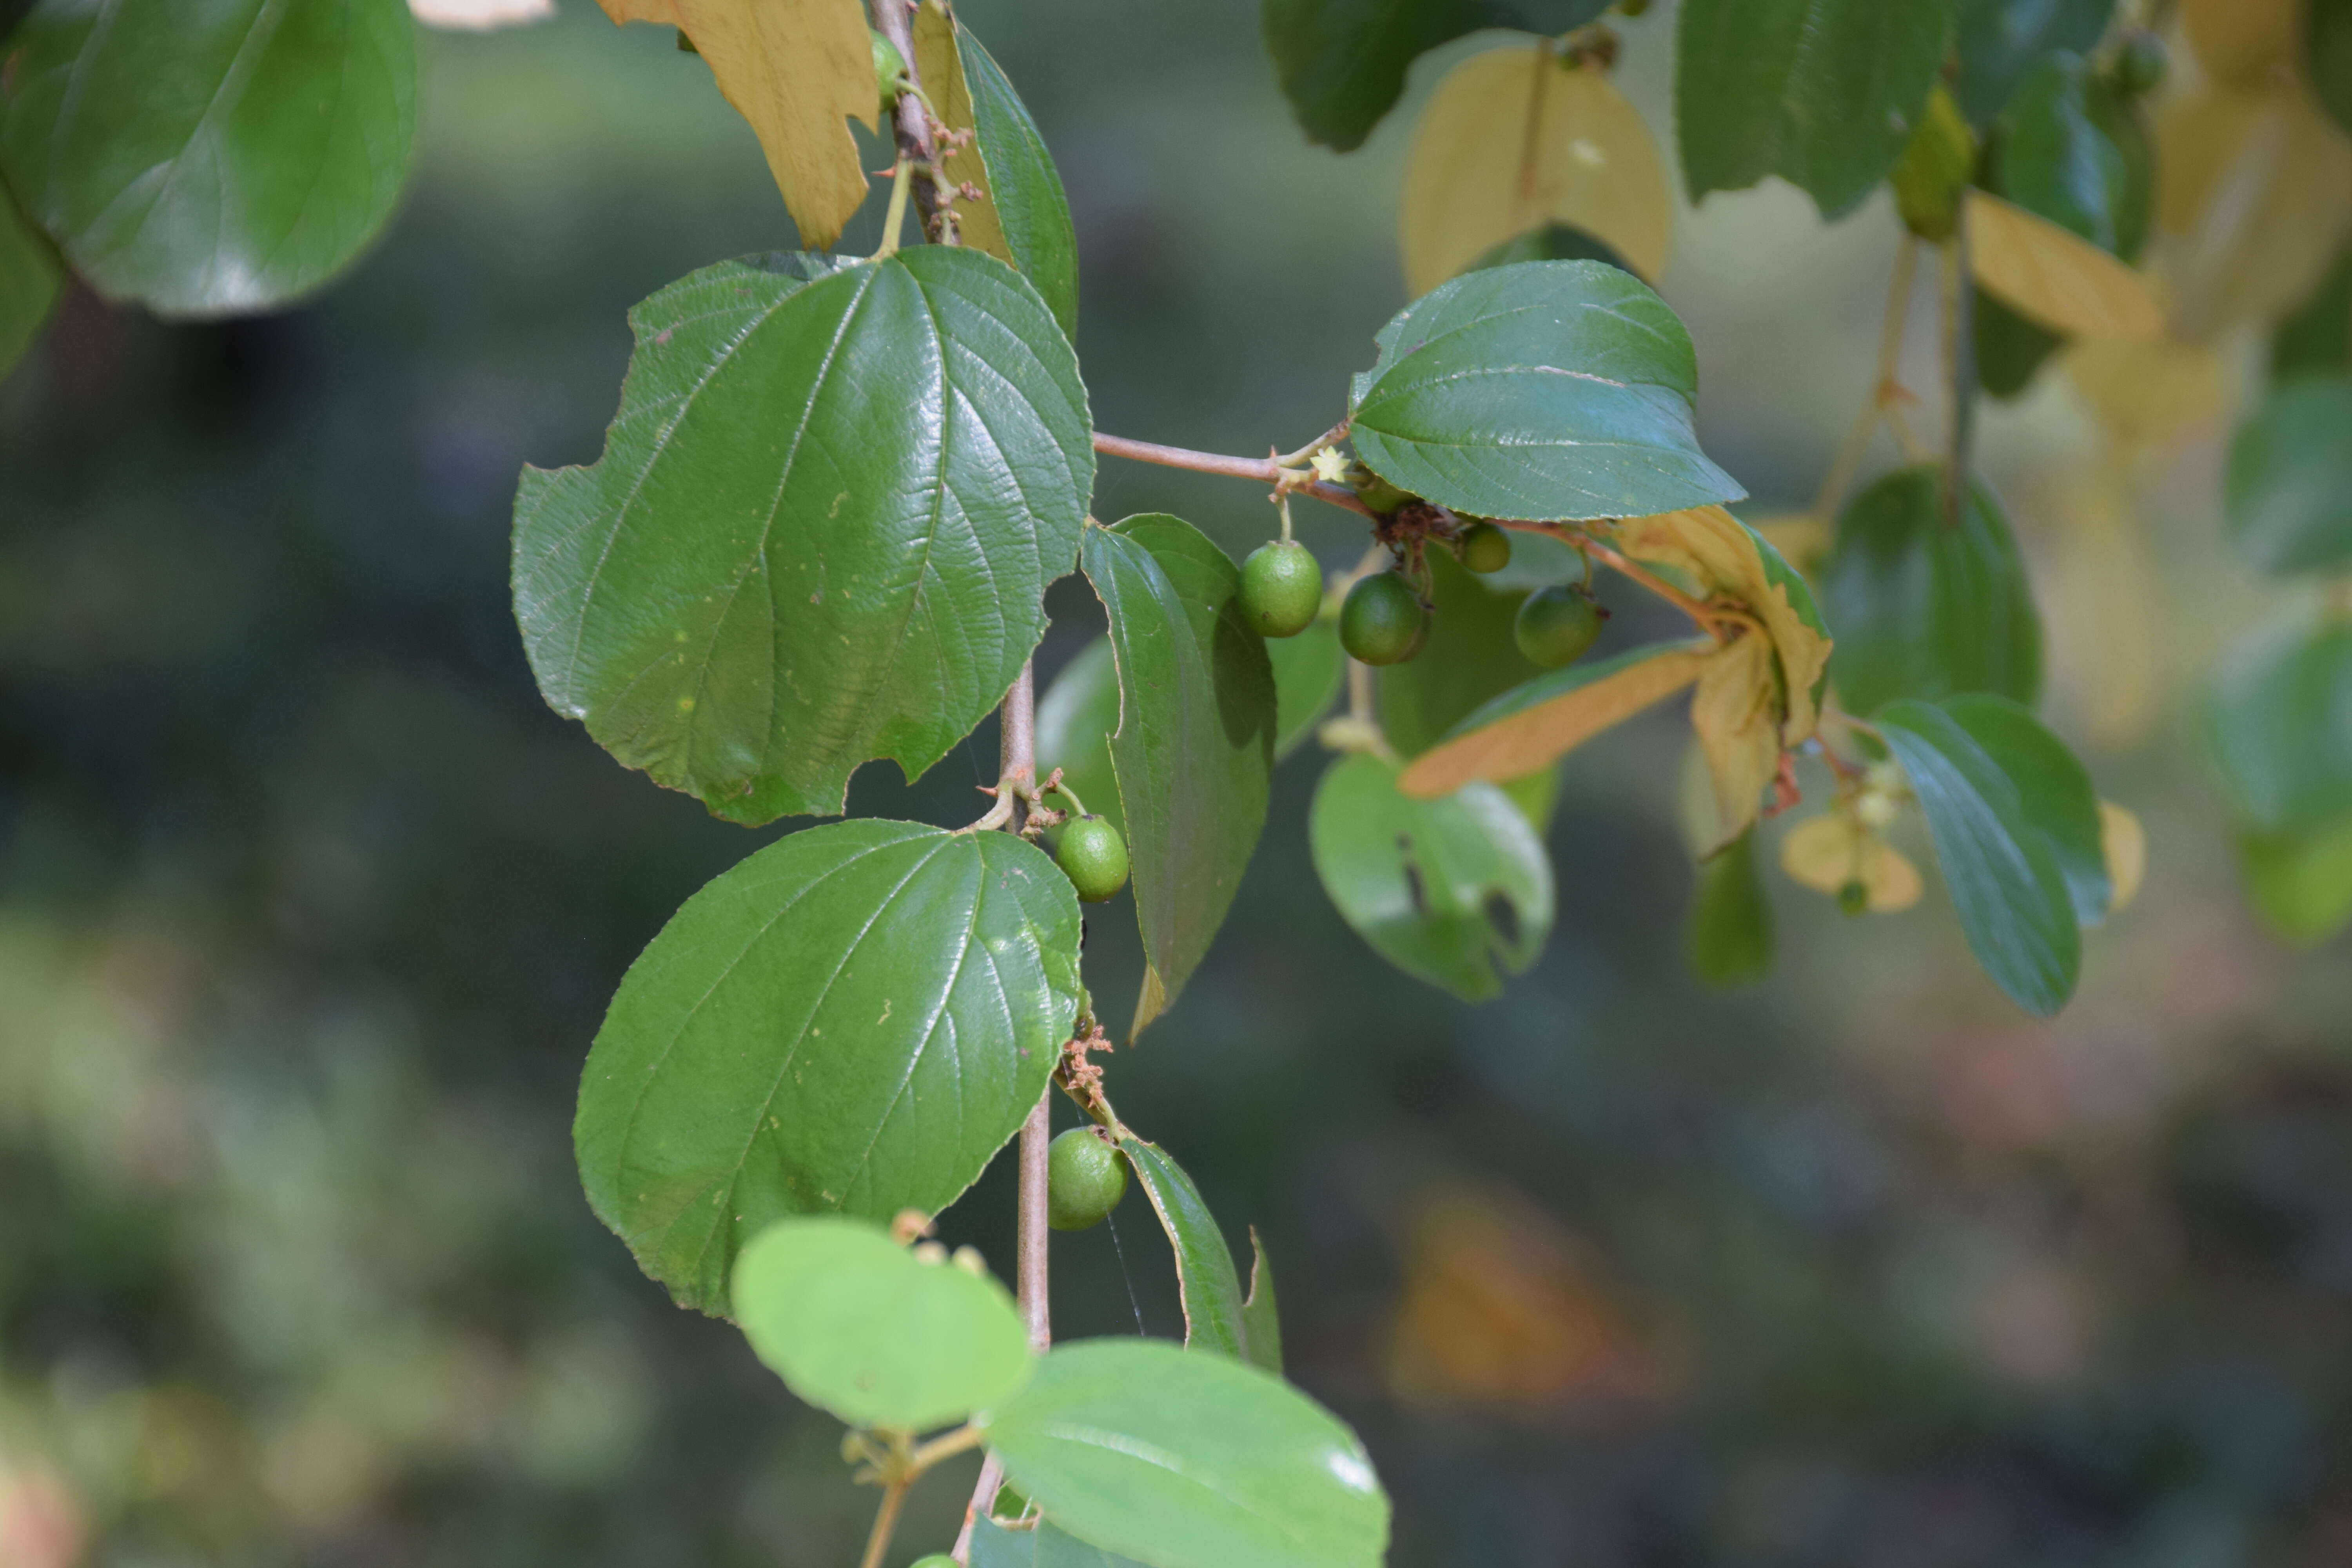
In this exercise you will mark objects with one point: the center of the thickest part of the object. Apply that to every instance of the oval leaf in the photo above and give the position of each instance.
(2053, 794)
(1194, 749)
(207, 157)
(1550, 716)
(856, 1325)
(2055, 279)
(1825, 93)
(1074, 719)
(1926, 610)
(1189, 1461)
(1210, 1288)
(1517, 138)
(2005, 883)
(1456, 891)
(852, 1020)
(2278, 728)
(1728, 935)
(1544, 391)
(822, 528)
(2290, 481)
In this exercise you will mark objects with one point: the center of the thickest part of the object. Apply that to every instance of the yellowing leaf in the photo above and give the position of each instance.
(2102, 594)
(2254, 191)
(796, 70)
(480, 15)
(2124, 844)
(2150, 393)
(2056, 277)
(2240, 40)
(1800, 537)
(1543, 728)
(1827, 853)
(938, 63)
(1708, 546)
(1513, 139)
(1735, 714)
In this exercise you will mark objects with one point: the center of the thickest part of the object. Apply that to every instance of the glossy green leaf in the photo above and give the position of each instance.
(206, 157)
(1189, 1461)
(1023, 184)
(30, 277)
(1552, 242)
(2319, 335)
(1471, 659)
(2289, 488)
(1728, 934)
(1045, 1545)
(2009, 350)
(1308, 670)
(1825, 93)
(2004, 881)
(858, 1325)
(1194, 748)
(1214, 1314)
(1926, 610)
(1260, 1313)
(2301, 883)
(2327, 55)
(1343, 63)
(1074, 719)
(2001, 41)
(1457, 891)
(1543, 391)
(2054, 793)
(822, 528)
(853, 1020)
(2278, 728)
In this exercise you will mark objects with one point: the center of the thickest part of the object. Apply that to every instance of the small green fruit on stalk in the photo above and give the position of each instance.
(1094, 857)
(1383, 621)
(1084, 1179)
(1282, 588)
(1557, 625)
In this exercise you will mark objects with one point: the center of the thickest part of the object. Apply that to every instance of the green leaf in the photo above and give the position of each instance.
(1214, 1314)
(2319, 335)
(1825, 93)
(1543, 391)
(1074, 719)
(2050, 155)
(2278, 728)
(2010, 351)
(208, 157)
(1023, 184)
(1194, 749)
(1189, 1461)
(1260, 1315)
(1923, 610)
(2327, 55)
(2001, 42)
(1531, 726)
(1728, 935)
(2004, 881)
(994, 1545)
(853, 1020)
(2054, 793)
(1343, 63)
(1455, 891)
(2289, 488)
(822, 528)
(856, 1325)
(1552, 242)
(30, 277)
(1472, 657)
(2301, 883)
(1308, 670)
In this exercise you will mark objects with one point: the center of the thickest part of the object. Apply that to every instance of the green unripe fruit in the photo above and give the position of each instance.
(889, 65)
(1094, 857)
(1484, 548)
(1557, 625)
(1932, 174)
(1282, 588)
(1853, 899)
(2142, 64)
(937, 1560)
(1630, 8)
(1378, 494)
(1383, 621)
(1084, 1179)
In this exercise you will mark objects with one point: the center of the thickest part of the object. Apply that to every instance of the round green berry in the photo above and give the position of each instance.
(1557, 625)
(1484, 547)
(1094, 857)
(1282, 588)
(1084, 1179)
(2142, 64)
(1383, 621)
(1378, 494)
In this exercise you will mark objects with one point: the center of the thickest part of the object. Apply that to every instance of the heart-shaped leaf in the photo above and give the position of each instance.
(856, 1325)
(1215, 1317)
(2290, 480)
(821, 529)
(1189, 1461)
(853, 1020)
(208, 157)
(1543, 391)
(1455, 891)
(1999, 868)
(1194, 749)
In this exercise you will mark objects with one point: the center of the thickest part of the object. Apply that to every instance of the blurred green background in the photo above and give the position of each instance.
(309, 908)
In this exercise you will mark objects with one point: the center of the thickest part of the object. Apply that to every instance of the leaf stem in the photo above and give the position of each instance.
(1886, 390)
(894, 219)
(1279, 472)
(885, 1519)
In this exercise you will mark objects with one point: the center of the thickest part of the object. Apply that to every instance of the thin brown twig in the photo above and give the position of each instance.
(885, 1519)
(1279, 472)
(1885, 386)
